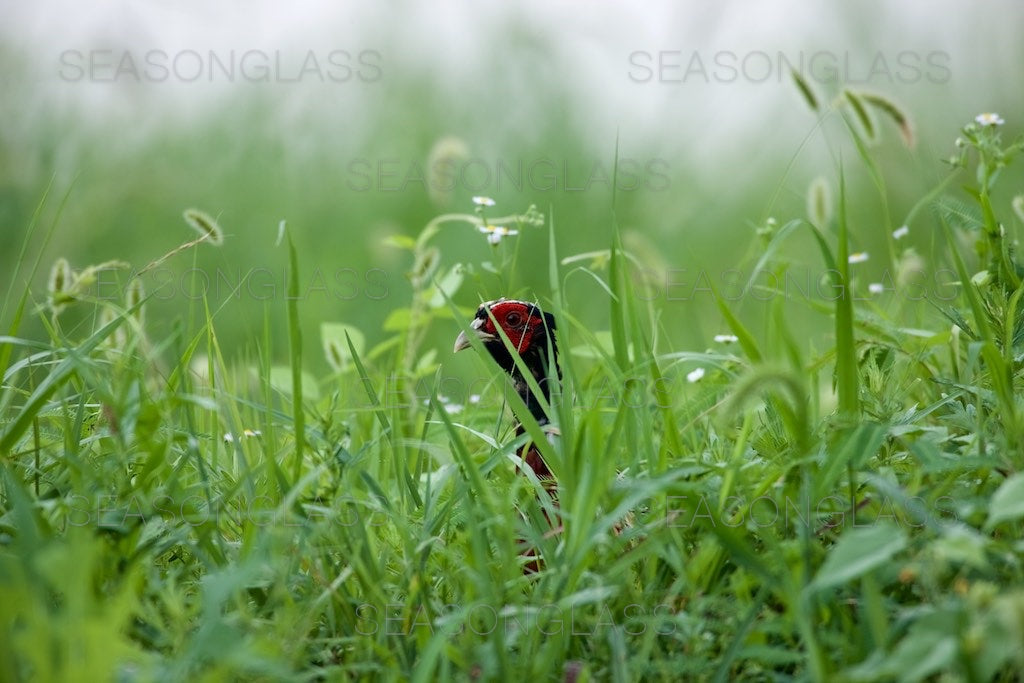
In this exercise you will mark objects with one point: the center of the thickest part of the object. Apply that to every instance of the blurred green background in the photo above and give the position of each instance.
(356, 121)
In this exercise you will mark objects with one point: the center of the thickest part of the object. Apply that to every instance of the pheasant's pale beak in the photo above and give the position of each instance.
(462, 341)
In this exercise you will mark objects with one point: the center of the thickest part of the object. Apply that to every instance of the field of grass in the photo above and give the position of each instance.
(821, 471)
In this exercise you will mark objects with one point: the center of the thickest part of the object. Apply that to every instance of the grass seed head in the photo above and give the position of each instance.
(445, 159)
(819, 202)
(206, 226)
(59, 285)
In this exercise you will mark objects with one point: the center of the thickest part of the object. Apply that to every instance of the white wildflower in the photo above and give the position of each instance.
(858, 257)
(495, 233)
(989, 118)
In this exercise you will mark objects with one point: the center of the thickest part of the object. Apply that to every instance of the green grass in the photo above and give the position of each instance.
(849, 509)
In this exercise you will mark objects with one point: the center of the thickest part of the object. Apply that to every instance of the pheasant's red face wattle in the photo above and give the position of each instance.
(516, 321)
(531, 335)
(522, 322)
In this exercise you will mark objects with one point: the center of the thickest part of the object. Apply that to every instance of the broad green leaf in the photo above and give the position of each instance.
(858, 552)
(281, 380)
(447, 286)
(336, 350)
(398, 320)
(1007, 502)
(961, 543)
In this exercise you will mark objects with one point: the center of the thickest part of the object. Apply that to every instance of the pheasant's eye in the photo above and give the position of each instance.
(513, 319)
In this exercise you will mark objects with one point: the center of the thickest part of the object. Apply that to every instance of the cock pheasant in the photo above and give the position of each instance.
(531, 332)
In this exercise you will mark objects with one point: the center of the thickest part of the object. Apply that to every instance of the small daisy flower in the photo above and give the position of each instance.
(695, 375)
(452, 408)
(228, 438)
(474, 398)
(442, 398)
(858, 257)
(483, 201)
(900, 232)
(876, 288)
(989, 118)
(726, 338)
(495, 233)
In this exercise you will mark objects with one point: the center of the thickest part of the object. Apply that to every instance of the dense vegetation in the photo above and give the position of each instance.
(830, 488)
